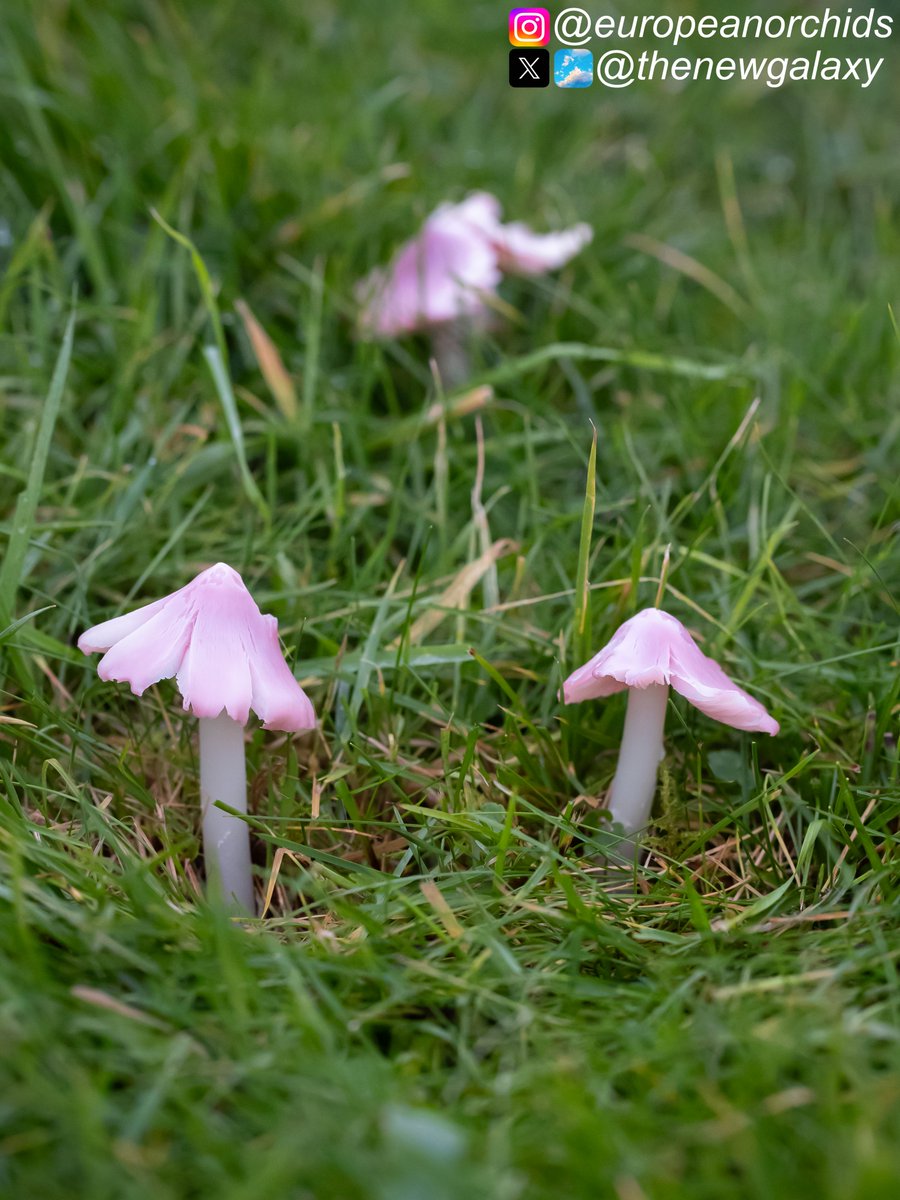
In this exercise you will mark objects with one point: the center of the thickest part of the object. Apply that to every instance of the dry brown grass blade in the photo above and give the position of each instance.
(473, 400)
(456, 596)
(686, 265)
(273, 369)
(277, 859)
(442, 909)
(100, 999)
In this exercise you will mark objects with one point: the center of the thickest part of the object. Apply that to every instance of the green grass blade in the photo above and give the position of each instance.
(219, 373)
(582, 586)
(643, 360)
(26, 506)
(204, 280)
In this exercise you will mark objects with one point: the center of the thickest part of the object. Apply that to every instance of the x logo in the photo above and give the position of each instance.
(529, 68)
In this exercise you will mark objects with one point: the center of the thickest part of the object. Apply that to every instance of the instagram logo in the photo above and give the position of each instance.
(529, 27)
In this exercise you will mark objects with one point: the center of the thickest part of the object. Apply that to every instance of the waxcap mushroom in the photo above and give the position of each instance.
(648, 654)
(441, 275)
(521, 251)
(653, 647)
(226, 660)
(222, 651)
(451, 269)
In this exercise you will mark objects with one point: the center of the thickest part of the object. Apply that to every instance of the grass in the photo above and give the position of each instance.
(443, 999)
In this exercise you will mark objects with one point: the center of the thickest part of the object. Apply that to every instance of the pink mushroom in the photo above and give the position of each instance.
(519, 250)
(226, 659)
(445, 278)
(647, 655)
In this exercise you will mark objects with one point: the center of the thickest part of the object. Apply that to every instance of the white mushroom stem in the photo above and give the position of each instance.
(226, 839)
(450, 354)
(634, 783)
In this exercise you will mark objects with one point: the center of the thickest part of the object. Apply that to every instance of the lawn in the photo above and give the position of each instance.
(445, 997)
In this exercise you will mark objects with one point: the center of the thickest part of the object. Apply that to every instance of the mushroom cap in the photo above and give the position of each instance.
(441, 275)
(454, 263)
(653, 647)
(519, 250)
(223, 652)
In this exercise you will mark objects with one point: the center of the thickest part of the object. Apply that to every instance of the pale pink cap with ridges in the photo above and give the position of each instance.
(519, 250)
(223, 652)
(453, 267)
(444, 274)
(654, 647)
